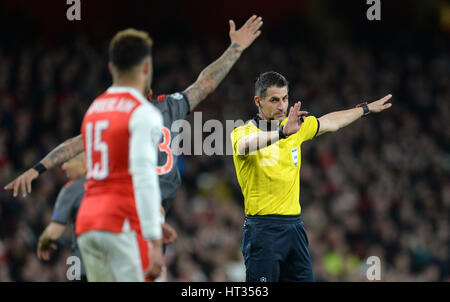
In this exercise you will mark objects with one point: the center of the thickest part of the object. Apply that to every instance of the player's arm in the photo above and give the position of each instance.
(65, 151)
(145, 135)
(334, 121)
(212, 75)
(169, 233)
(48, 238)
(259, 140)
(65, 209)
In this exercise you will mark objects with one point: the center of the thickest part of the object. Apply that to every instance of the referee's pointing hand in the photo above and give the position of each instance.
(380, 105)
(294, 123)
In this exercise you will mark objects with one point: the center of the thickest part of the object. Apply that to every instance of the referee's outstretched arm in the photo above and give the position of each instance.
(334, 121)
(330, 122)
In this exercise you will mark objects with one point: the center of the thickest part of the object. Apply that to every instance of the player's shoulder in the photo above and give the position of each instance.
(68, 184)
(177, 96)
(118, 99)
(76, 184)
(73, 187)
(143, 104)
(148, 114)
(174, 100)
(150, 108)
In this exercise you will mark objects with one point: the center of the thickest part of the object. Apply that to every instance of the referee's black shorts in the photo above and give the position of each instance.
(275, 248)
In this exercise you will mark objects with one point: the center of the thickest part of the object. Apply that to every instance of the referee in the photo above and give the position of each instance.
(267, 159)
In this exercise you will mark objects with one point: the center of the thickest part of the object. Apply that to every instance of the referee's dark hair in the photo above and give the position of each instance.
(267, 79)
(129, 48)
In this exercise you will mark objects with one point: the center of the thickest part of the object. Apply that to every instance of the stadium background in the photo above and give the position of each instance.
(379, 187)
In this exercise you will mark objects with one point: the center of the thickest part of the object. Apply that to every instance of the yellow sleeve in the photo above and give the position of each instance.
(309, 129)
(236, 136)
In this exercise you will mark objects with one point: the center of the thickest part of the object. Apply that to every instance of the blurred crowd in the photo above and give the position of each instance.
(379, 187)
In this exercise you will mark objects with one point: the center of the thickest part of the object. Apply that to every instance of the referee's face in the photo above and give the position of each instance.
(274, 105)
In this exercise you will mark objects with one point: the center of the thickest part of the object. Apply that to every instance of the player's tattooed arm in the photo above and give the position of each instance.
(212, 75)
(65, 151)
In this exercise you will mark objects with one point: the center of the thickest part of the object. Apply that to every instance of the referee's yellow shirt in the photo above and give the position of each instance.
(270, 177)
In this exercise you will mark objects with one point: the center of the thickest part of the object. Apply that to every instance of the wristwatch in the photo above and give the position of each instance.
(365, 107)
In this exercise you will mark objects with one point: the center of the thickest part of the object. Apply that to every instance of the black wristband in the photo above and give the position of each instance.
(365, 108)
(281, 134)
(40, 168)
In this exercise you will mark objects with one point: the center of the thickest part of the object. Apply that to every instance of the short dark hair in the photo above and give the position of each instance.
(128, 48)
(267, 79)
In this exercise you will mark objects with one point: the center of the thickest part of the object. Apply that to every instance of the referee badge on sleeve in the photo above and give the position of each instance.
(294, 153)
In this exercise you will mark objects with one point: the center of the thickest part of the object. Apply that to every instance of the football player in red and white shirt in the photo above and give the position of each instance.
(120, 212)
(173, 107)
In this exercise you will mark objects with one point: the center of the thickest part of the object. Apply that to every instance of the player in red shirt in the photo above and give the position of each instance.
(120, 212)
(173, 107)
